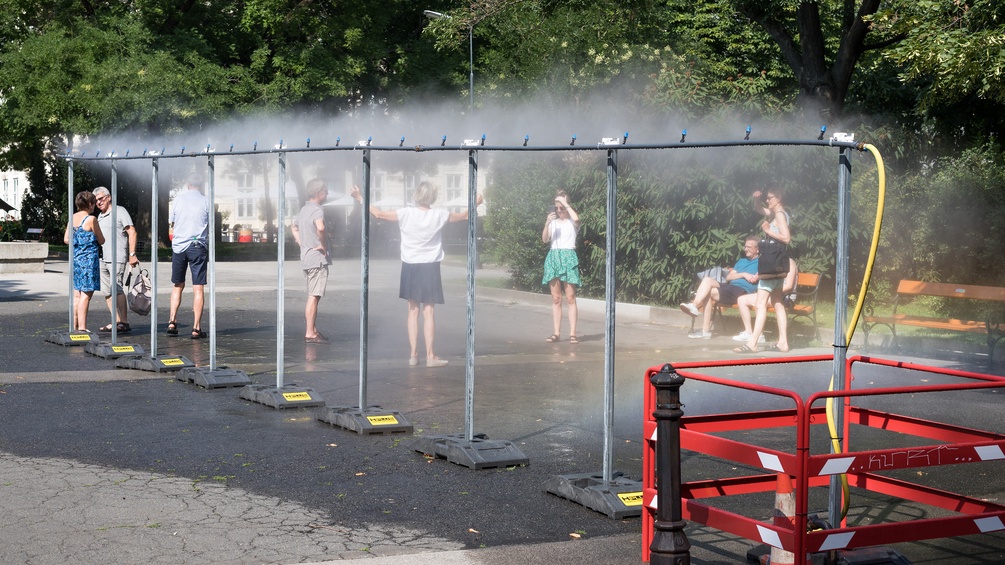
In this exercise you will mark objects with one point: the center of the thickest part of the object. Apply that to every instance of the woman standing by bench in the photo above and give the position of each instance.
(776, 232)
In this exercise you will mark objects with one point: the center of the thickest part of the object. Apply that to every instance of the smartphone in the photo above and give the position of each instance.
(552, 209)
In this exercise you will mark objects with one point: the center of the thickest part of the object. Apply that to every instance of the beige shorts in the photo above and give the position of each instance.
(317, 280)
(106, 278)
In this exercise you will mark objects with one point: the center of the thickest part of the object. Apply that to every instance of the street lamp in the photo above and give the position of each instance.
(471, 56)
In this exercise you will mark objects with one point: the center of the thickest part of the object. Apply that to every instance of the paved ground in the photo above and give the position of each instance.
(103, 465)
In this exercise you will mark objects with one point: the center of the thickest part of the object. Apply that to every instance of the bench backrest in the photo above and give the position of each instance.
(808, 279)
(950, 290)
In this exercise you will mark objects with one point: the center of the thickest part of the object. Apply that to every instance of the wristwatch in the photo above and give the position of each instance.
(133, 254)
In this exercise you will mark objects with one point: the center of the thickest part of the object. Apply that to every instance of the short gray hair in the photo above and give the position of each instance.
(425, 194)
(100, 191)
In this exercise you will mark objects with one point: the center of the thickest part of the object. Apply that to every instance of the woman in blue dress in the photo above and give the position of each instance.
(87, 237)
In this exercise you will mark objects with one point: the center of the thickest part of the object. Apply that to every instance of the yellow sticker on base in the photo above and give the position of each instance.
(80, 337)
(383, 420)
(124, 348)
(297, 396)
(631, 498)
(170, 362)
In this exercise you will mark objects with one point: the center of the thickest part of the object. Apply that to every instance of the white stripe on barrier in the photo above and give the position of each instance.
(652, 503)
(769, 537)
(837, 541)
(653, 437)
(770, 461)
(992, 524)
(837, 466)
(990, 452)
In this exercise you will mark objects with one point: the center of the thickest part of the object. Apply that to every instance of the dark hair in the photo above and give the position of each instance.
(777, 191)
(84, 201)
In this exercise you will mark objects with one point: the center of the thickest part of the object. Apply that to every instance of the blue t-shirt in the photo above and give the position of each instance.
(190, 217)
(745, 265)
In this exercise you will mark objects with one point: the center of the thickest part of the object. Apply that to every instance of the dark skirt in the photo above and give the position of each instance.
(421, 282)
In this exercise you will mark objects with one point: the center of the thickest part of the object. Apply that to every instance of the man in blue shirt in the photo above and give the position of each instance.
(189, 251)
(742, 279)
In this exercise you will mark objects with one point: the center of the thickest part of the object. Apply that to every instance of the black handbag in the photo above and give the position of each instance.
(773, 261)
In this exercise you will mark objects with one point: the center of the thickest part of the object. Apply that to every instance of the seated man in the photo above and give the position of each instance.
(742, 279)
(746, 302)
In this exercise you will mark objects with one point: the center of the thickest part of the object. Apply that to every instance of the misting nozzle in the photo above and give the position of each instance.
(402, 142)
(443, 141)
(483, 140)
(683, 136)
(255, 147)
(308, 143)
(747, 137)
(182, 149)
(526, 138)
(231, 146)
(338, 140)
(573, 142)
(823, 129)
(624, 139)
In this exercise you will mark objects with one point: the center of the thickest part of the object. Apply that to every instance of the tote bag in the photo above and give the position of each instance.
(140, 292)
(773, 262)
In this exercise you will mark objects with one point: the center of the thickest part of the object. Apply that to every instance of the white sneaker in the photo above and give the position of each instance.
(436, 362)
(690, 309)
(698, 334)
(745, 336)
(413, 361)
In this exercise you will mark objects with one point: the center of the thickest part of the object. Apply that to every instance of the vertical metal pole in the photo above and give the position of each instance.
(113, 266)
(154, 220)
(281, 286)
(211, 164)
(69, 222)
(670, 545)
(840, 315)
(469, 359)
(364, 276)
(610, 298)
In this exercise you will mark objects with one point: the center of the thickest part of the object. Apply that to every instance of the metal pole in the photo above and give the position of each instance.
(840, 315)
(469, 359)
(670, 545)
(69, 222)
(364, 275)
(154, 220)
(281, 286)
(211, 163)
(610, 298)
(113, 267)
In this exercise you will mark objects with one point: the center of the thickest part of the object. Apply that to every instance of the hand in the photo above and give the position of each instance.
(562, 200)
(479, 200)
(133, 260)
(757, 195)
(552, 216)
(355, 193)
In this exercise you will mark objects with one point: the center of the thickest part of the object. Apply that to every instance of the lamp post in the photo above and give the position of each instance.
(471, 56)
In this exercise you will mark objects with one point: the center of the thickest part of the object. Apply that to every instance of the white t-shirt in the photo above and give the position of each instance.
(422, 234)
(563, 234)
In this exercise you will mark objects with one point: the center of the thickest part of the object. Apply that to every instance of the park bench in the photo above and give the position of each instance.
(807, 288)
(993, 326)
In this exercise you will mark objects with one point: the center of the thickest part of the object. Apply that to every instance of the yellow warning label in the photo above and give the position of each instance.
(297, 396)
(631, 498)
(175, 361)
(383, 420)
(123, 348)
(80, 337)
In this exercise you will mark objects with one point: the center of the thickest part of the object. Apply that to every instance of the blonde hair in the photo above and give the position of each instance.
(425, 194)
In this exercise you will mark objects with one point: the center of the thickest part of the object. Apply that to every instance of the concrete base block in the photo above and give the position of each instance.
(23, 256)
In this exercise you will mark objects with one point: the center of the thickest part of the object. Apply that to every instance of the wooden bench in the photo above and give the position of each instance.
(993, 326)
(807, 288)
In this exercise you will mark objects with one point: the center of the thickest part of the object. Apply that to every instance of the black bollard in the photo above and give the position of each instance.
(670, 545)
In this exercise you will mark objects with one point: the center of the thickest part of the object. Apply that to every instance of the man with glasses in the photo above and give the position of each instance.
(742, 279)
(125, 250)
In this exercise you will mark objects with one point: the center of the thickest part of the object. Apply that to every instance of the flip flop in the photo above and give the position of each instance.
(774, 347)
(172, 328)
(552, 338)
(744, 349)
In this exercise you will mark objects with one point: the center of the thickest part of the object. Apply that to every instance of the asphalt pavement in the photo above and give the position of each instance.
(105, 465)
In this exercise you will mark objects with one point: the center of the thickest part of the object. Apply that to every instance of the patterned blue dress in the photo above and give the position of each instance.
(85, 260)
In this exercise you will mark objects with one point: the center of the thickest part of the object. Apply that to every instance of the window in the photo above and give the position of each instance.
(453, 181)
(245, 208)
(245, 182)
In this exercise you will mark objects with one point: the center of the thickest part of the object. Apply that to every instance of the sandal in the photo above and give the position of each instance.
(573, 339)
(123, 328)
(552, 338)
(172, 328)
(105, 329)
(198, 334)
(744, 349)
(774, 347)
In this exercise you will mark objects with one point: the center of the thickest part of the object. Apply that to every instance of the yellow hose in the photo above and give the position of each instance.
(866, 277)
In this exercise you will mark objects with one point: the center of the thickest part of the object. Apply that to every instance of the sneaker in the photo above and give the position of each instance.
(413, 361)
(700, 335)
(745, 336)
(436, 362)
(690, 309)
